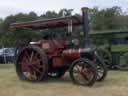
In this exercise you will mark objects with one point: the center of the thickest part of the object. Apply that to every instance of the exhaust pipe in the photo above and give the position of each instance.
(86, 27)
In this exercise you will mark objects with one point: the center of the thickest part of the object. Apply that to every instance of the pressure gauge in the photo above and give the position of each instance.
(75, 42)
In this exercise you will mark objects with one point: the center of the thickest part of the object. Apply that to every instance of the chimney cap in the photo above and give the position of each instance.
(85, 9)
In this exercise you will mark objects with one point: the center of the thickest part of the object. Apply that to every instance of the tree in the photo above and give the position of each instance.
(106, 18)
(1, 25)
(49, 14)
(33, 15)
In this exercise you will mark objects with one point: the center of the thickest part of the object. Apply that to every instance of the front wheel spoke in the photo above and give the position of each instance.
(76, 71)
(85, 76)
(98, 75)
(78, 68)
(84, 73)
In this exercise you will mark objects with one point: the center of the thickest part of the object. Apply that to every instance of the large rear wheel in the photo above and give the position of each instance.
(31, 64)
(83, 72)
(106, 57)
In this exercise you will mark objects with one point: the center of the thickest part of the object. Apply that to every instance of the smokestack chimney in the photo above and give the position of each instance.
(86, 27)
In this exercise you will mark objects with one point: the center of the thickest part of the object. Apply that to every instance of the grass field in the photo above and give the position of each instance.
(116, 84)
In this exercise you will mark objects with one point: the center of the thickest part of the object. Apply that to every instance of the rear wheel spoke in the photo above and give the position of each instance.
(37, 70)
(36, 62)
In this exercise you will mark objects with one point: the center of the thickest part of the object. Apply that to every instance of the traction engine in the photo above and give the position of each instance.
(52, 57)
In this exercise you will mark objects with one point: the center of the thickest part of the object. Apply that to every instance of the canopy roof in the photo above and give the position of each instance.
(49, 23)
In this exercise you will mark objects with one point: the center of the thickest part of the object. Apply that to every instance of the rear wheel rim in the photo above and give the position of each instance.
(31, 65)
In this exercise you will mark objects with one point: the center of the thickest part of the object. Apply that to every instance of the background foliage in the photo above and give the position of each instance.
(102, 19)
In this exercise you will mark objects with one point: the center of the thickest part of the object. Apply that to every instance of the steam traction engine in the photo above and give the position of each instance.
(52, 56)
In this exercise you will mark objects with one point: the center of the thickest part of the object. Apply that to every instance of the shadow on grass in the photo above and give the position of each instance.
(66, 80)
(62, 80)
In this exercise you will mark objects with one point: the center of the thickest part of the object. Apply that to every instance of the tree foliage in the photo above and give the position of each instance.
(106, 18)
(102, 19)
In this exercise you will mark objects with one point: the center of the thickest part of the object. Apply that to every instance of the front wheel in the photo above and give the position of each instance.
(83, 72)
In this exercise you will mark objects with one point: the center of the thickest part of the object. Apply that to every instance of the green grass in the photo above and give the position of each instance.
(119, 48)
(116, 84)
(116, 48)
